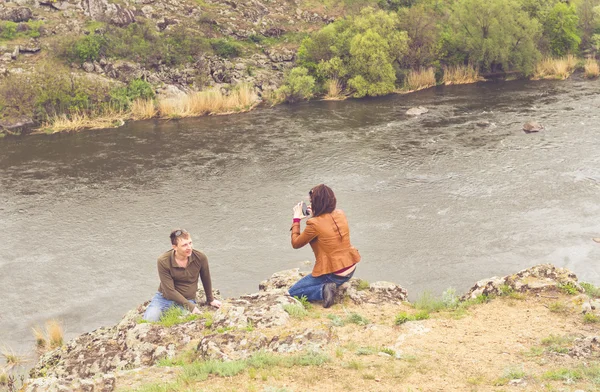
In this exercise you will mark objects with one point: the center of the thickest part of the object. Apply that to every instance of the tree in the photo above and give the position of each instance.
(420, 23)
(298, 85)
(359, 51)
(492, 35)
(560, 27)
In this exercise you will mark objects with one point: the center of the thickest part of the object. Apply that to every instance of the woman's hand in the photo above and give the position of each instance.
(298, 211)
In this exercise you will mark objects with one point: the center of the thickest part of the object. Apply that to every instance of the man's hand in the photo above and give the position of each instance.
(196, 310)
(216, 303)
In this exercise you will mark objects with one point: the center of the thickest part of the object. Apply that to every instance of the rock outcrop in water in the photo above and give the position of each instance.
(259, 322)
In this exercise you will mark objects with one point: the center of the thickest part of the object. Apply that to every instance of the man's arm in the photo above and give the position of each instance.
(168, 286)
(206, 281)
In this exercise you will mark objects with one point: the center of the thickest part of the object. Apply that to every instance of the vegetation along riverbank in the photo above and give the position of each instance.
(74, 64)
(535, 330)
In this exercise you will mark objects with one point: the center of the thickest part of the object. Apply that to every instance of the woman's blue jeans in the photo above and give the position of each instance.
(312, 287)
(158, 305)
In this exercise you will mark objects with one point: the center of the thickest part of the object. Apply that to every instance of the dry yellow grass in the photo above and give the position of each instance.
(461, 74)
(142, 109)
(81, 120)
(592, 69)
(334, 90)
(550, 68)
(420, 79)
(40, 338)
(208, 102)
(55, 333)
(51, 337)
(10, 357)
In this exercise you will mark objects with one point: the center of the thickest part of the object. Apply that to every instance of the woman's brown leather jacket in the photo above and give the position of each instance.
(329, 237)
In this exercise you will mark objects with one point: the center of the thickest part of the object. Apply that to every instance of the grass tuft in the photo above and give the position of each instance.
(240, 99)
(334, 90)
(558, 307)
(10, 357)
(420, 79)
(49, 338)
(143, 109)
(591, 68)
(460, 74)
(550, 68)
(355, 318)
(176, 315)
(590, 289)
(404, 317)
(591, 318)
(363, 285)
(295, 310)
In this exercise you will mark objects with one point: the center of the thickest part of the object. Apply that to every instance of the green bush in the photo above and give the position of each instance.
(226, 48)
(87, 48)
(137, 89)
(8, 29)
(51, 89)
(298, 85)
(359, 51)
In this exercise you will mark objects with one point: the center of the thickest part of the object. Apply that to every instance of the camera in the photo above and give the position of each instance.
(305, 211)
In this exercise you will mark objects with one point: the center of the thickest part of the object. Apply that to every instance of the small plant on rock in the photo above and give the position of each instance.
(295, 310)
(591, 290)
(568, 288)
(591, 318)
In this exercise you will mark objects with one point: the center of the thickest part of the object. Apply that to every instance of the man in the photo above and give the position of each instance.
(179, 270)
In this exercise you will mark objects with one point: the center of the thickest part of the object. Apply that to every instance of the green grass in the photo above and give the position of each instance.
(336, 320)
(510, 373)
(197, 371)
(568, 288)
(304, 302)
(296, 310)
(176, 315)
(591, 318)
(563, 374)
(362, 285)
(355, 318)
(558, 344)
(590, 289)
(404, 317)
(558, 307)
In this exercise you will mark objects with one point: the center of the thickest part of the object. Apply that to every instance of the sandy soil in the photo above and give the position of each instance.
(509, 343)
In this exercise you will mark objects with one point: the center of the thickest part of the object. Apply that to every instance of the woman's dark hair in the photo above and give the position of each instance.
(322, 200)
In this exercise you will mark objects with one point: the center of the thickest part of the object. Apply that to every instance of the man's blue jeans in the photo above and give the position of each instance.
(312, 287)
(158, 305)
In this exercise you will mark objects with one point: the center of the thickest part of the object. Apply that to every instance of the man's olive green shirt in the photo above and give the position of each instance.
(180, 284)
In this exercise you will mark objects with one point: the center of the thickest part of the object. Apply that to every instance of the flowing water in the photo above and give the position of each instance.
(441, 200)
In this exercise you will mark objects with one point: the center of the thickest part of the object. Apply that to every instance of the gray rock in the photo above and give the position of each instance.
(542, 277)
(19, 14)
(532, 126)
(417, 111)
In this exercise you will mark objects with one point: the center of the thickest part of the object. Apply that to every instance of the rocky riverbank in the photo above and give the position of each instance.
(536, 329)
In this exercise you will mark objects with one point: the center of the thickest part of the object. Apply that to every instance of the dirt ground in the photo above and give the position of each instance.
(510, 343)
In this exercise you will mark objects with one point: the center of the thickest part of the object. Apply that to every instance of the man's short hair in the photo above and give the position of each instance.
(178, 233)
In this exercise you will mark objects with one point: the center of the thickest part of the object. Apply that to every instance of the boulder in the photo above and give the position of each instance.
(532, 126)
(19, 14)
(542, 277)
(417, 111)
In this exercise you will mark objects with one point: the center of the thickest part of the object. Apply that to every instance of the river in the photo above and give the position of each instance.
(456, 195)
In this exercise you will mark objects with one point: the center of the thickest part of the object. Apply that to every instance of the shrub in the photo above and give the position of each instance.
(568, 288)
(590, 289)
(356, 318)
(8, 30)
(137, 89)
(591, 318)
(298, 85)
(87, 48)
(226, 47)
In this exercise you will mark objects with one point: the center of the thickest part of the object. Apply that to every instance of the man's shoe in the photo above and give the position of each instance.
(328, 294)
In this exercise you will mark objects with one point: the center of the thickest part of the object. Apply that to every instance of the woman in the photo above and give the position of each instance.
(328, 234)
